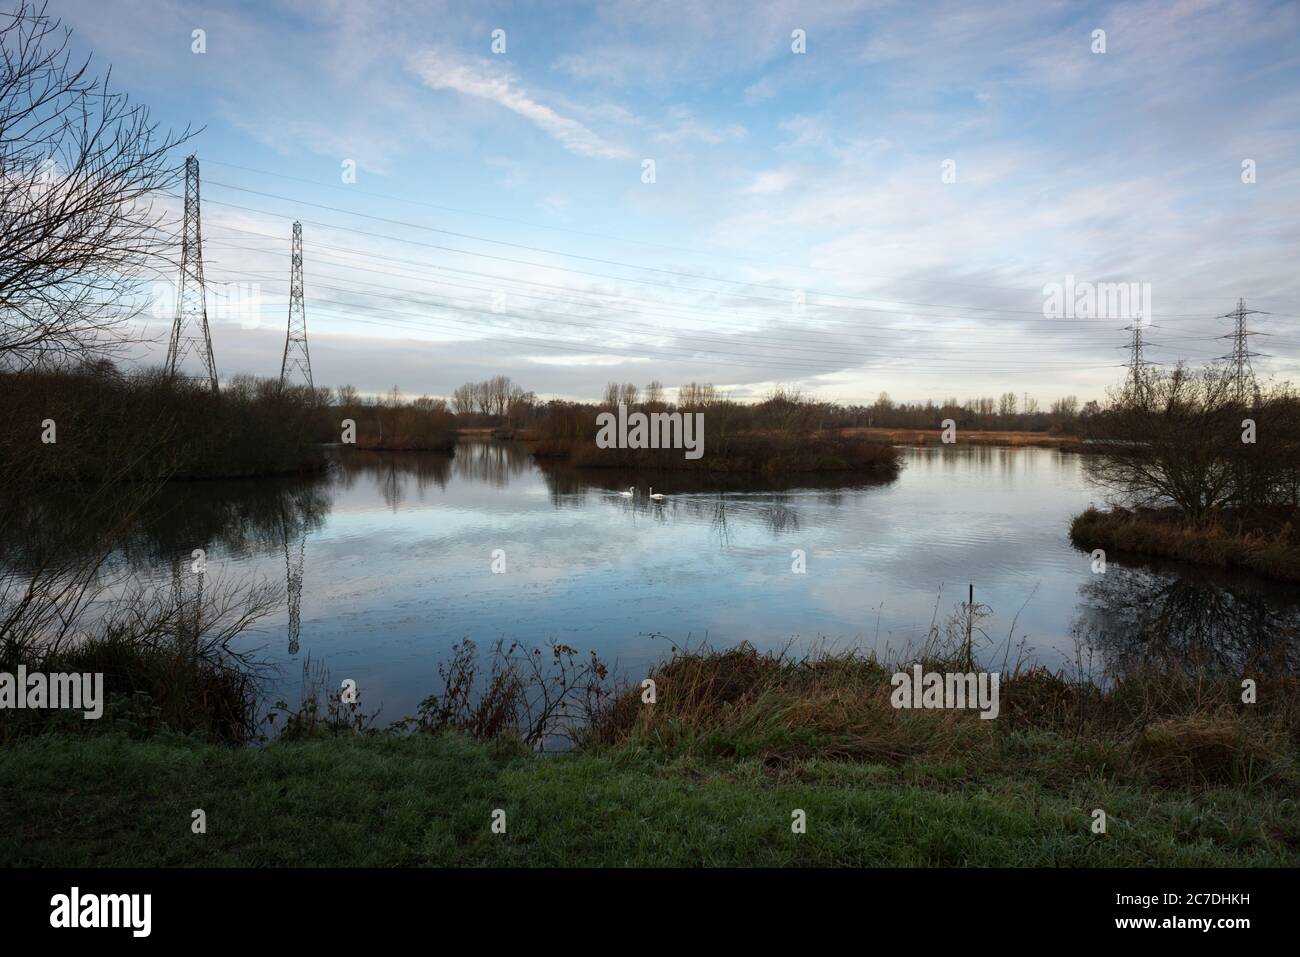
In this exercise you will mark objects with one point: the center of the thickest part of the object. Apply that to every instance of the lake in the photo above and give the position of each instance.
(391, 557)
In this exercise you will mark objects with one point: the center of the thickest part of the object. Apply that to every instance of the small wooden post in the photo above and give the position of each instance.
(970, 621)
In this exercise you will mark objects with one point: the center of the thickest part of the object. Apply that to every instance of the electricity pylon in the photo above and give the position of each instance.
(190, 336)
(297, 360)
(1243, 376)
(1135, 387)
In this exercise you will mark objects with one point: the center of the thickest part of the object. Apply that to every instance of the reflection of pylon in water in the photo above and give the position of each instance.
(293, 568)
(188, 608)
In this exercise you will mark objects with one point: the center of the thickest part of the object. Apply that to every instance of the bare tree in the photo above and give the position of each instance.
(1182, 445)
(462, 399)
(698, 395)
(80, 168)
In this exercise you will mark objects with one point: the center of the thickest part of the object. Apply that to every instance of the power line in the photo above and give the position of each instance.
(676, 288)
(808, 366)
(408, 201)
(620, 301)
(608, 262)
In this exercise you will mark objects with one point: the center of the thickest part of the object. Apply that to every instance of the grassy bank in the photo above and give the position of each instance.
(1265, 541)
(355, 801)
(710, 773)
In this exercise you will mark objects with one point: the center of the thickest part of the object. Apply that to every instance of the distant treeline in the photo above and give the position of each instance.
(1007, 412)
(106, 423)
(784, 433)
(499, 401)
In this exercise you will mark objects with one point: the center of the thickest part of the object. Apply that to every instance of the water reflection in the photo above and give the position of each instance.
(235, 517)
(1157, 613)
(295, 558)
(387, 561)
(394, 473)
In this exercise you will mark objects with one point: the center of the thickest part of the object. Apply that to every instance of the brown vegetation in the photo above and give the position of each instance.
(1173, 725)
(1264, 541)
(784, 433)
(108, 425)
(391, 423)
(1199, 472)
(1163, 720)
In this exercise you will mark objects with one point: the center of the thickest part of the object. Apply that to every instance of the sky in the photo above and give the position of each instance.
(847, 198)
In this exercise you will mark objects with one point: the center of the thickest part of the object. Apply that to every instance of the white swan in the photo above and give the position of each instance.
(657, 496)
(628, 494)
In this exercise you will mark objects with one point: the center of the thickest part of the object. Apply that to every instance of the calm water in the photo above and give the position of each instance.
(395, 553)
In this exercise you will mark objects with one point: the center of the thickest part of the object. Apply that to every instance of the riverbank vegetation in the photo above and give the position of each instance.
(1199, 471)
(94, 424)
(784, 433)
(390, 423)
(710, 772)
(1263, 541)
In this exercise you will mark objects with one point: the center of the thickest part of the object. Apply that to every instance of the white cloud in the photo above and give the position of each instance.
(484, 80)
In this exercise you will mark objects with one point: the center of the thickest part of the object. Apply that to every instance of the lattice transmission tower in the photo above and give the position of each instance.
(296, 364)
(1135, 386)
(1243, 376)
(189, 355)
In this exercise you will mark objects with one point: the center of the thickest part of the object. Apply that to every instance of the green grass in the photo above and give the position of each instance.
(424, 799)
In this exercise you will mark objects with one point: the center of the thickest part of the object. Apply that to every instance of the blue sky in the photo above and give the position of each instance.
(799, 229)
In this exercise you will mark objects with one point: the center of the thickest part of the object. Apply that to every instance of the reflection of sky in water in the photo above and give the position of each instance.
(399, 567)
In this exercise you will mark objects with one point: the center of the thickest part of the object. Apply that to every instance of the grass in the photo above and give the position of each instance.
(709, 774)
(1266, 542)
(428, 800)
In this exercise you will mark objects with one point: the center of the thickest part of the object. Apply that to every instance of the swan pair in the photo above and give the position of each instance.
(657, 496)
